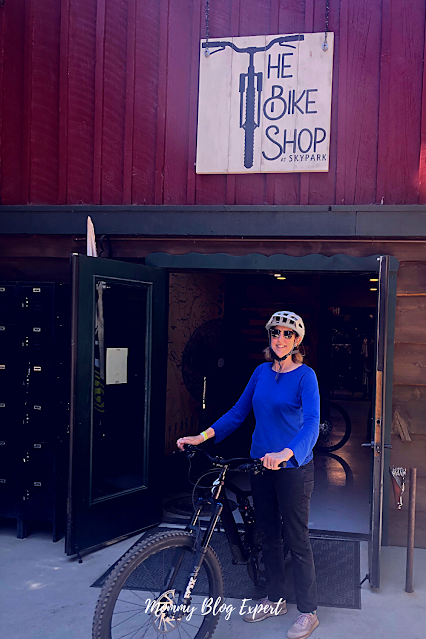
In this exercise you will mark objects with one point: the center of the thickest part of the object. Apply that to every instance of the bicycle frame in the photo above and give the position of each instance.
(222, 510)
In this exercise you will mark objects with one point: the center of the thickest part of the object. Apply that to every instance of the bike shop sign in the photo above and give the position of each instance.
(265, 104)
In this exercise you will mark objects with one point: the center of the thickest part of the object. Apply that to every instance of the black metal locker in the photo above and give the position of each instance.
(34, 396)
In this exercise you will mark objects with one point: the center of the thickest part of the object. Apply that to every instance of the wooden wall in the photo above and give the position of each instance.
(194, 298)
(410, 346)
(409, 393)
(99, 101)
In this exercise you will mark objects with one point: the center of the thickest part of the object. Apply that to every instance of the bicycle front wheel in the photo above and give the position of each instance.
(335, 429)
(140, 597)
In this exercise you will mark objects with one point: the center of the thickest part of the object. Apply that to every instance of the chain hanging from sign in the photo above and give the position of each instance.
(207, 9)
(327, 15)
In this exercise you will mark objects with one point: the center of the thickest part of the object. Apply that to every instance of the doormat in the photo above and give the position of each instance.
(337, 566)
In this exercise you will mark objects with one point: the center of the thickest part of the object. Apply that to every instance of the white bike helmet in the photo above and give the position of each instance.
(288, 320)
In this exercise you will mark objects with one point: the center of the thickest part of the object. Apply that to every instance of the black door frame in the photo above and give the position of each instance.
(308, 264)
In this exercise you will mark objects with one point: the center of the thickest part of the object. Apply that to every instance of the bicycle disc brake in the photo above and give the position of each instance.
(166, 615)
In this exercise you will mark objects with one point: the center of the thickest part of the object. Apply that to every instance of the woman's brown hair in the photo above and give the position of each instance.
(296, 357)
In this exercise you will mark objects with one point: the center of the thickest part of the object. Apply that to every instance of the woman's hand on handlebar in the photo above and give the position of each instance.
(273, 460)
(194, 440)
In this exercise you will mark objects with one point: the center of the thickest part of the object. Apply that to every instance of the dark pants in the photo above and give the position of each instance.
(284, 495)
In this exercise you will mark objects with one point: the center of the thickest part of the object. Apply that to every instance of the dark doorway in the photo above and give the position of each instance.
(339, 311)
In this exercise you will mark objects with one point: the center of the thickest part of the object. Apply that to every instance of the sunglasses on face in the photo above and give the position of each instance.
(275, 332)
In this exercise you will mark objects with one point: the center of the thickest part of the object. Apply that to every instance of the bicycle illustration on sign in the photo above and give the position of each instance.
(250, 84)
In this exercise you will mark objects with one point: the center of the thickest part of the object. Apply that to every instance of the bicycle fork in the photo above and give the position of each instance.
(201, 546)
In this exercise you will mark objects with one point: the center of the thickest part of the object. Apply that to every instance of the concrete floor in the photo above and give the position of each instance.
(46, 595)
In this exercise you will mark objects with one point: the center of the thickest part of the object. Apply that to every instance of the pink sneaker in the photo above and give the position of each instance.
(303, 626)
(265, 609)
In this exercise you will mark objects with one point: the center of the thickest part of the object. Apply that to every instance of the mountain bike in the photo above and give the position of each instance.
(334, 429)
(165, 584)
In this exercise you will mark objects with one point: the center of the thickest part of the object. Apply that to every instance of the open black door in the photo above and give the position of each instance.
(119, 350)
(378, 428)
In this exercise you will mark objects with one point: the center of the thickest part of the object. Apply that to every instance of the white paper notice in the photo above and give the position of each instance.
(116, 365)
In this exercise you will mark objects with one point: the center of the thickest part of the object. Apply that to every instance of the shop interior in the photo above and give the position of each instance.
(339, 311)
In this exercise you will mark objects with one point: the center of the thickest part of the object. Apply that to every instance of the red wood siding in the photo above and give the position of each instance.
(99, 101)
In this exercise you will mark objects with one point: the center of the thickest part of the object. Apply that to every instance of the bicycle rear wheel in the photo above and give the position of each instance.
(133, 603)
(335, 429)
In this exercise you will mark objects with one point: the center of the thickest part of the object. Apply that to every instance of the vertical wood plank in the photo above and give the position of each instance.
(2, 31)
(12, 98)
(322, 186)
(129, 103)
(193, 99)
(400, 101)
(162, 102)
(360, 27)
(81, 100)
(231, 180)
(44, 132)
(291, 20)
(342, 105)
(149, 102)
(230, 189)
(422, 162)
(385, 61)
(309, 15)
(99, 99)
(275, 17)
(177, 115)
(309, 27)
(211, 189)
(63, 103)
(27, 101)
(117, 41)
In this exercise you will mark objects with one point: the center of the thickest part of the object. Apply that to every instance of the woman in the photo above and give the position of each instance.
(285, 400)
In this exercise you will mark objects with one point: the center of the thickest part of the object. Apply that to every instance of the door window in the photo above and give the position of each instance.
(121, 367)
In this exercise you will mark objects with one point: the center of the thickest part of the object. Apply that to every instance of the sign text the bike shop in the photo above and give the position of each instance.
(265, 104)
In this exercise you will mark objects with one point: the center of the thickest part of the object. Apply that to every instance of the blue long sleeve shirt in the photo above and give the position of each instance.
(286, 411)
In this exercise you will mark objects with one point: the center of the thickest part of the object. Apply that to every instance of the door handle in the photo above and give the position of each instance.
(371, 445)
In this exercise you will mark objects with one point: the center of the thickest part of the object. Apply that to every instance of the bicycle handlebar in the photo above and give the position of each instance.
(249, 463)
(222, 44)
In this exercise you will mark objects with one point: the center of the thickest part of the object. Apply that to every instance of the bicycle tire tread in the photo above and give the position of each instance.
(124, 563)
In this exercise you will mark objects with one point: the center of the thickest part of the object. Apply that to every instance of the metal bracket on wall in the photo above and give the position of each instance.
(367, 576)
(398, 475)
